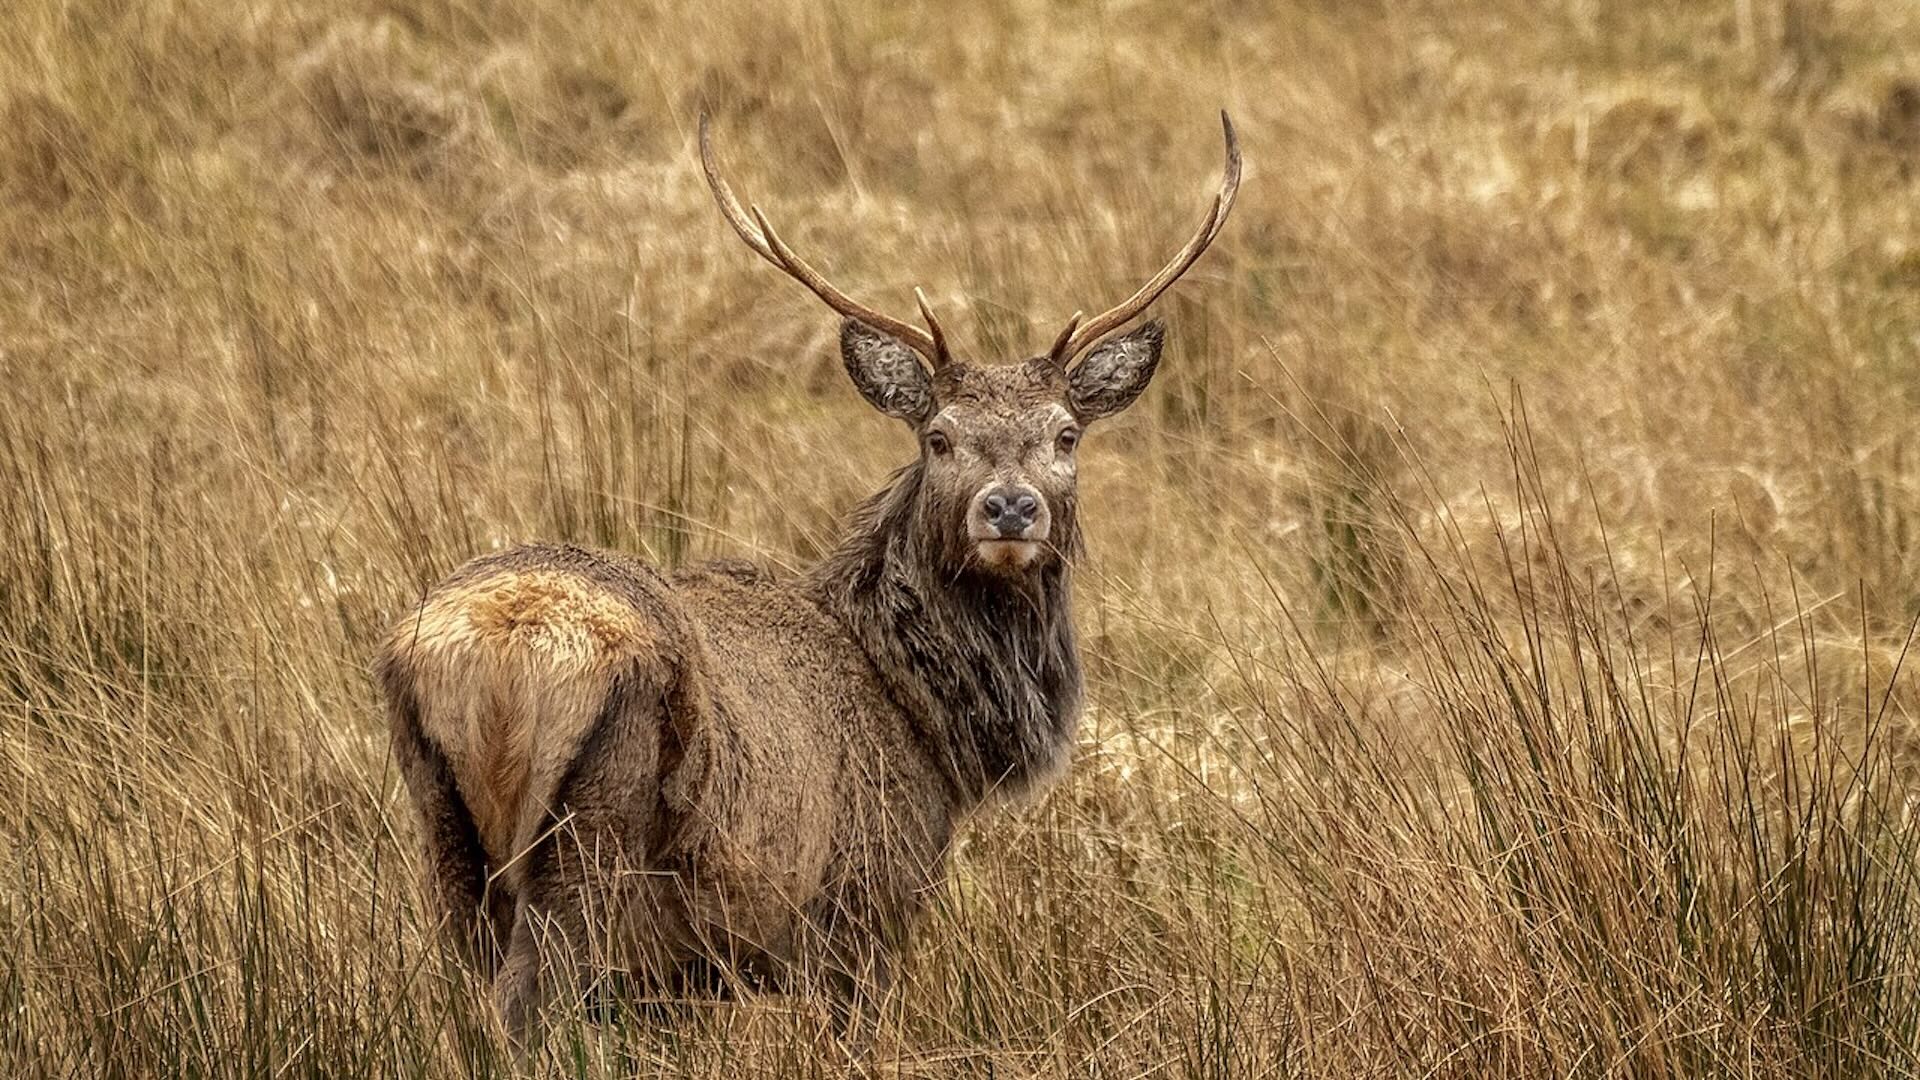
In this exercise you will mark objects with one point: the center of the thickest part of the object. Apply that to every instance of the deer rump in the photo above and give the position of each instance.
(652, 766)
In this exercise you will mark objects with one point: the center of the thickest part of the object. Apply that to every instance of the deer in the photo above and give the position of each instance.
(720, 776)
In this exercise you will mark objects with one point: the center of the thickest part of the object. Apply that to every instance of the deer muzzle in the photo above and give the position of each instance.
(1009, 525)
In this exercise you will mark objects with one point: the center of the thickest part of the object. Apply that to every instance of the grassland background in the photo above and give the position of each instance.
(1494, 611)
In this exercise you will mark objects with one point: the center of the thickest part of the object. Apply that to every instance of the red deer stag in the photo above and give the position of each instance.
(717, 773)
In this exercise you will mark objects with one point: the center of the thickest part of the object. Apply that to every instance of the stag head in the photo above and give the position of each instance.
(997, 441)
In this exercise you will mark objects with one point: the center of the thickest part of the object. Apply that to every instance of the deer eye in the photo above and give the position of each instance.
(938, 443)
(1069, 439)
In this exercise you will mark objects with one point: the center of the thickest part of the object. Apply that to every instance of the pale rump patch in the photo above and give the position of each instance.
(508, 667)
(559, 615)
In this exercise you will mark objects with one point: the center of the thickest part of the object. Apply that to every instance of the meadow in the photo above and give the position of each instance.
(1497, 611)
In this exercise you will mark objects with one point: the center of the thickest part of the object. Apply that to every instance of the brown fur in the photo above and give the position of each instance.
(503, 655)
(718, 770)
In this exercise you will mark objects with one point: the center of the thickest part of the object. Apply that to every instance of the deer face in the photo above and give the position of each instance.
(998, 443)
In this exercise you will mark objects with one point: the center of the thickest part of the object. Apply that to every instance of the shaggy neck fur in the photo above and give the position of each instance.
(985, 666)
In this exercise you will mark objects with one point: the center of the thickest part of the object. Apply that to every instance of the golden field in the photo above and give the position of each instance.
(1495, 612)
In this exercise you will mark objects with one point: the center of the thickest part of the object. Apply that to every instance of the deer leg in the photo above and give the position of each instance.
(861, 989)
(584, 890)
(571, 898)
(516, 990)
(456, 864)
(857, 947)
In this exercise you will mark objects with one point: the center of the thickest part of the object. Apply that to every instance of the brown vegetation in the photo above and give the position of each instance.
(1494, 614)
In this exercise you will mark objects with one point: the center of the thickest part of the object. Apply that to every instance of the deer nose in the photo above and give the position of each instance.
(1010, 510)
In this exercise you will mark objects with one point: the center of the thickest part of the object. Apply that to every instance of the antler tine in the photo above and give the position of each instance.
(1058, 351)
(798, 269)
(766, 243)
(730, 207)
(1112, 319)
(940, 354)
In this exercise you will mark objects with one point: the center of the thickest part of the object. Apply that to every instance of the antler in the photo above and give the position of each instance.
(1078, 335)
(759, 235)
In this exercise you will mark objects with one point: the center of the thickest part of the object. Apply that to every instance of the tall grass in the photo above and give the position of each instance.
(1498, 610)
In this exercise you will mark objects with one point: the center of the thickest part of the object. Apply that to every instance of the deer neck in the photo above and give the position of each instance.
(986, 669)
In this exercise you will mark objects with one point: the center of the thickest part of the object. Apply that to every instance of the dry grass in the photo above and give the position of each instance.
(1496, 611)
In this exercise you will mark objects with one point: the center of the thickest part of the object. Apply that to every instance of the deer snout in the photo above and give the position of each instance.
(1010, 512)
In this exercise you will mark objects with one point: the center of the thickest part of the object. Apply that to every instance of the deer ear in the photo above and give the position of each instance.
(887, 372)
(1113, 375)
